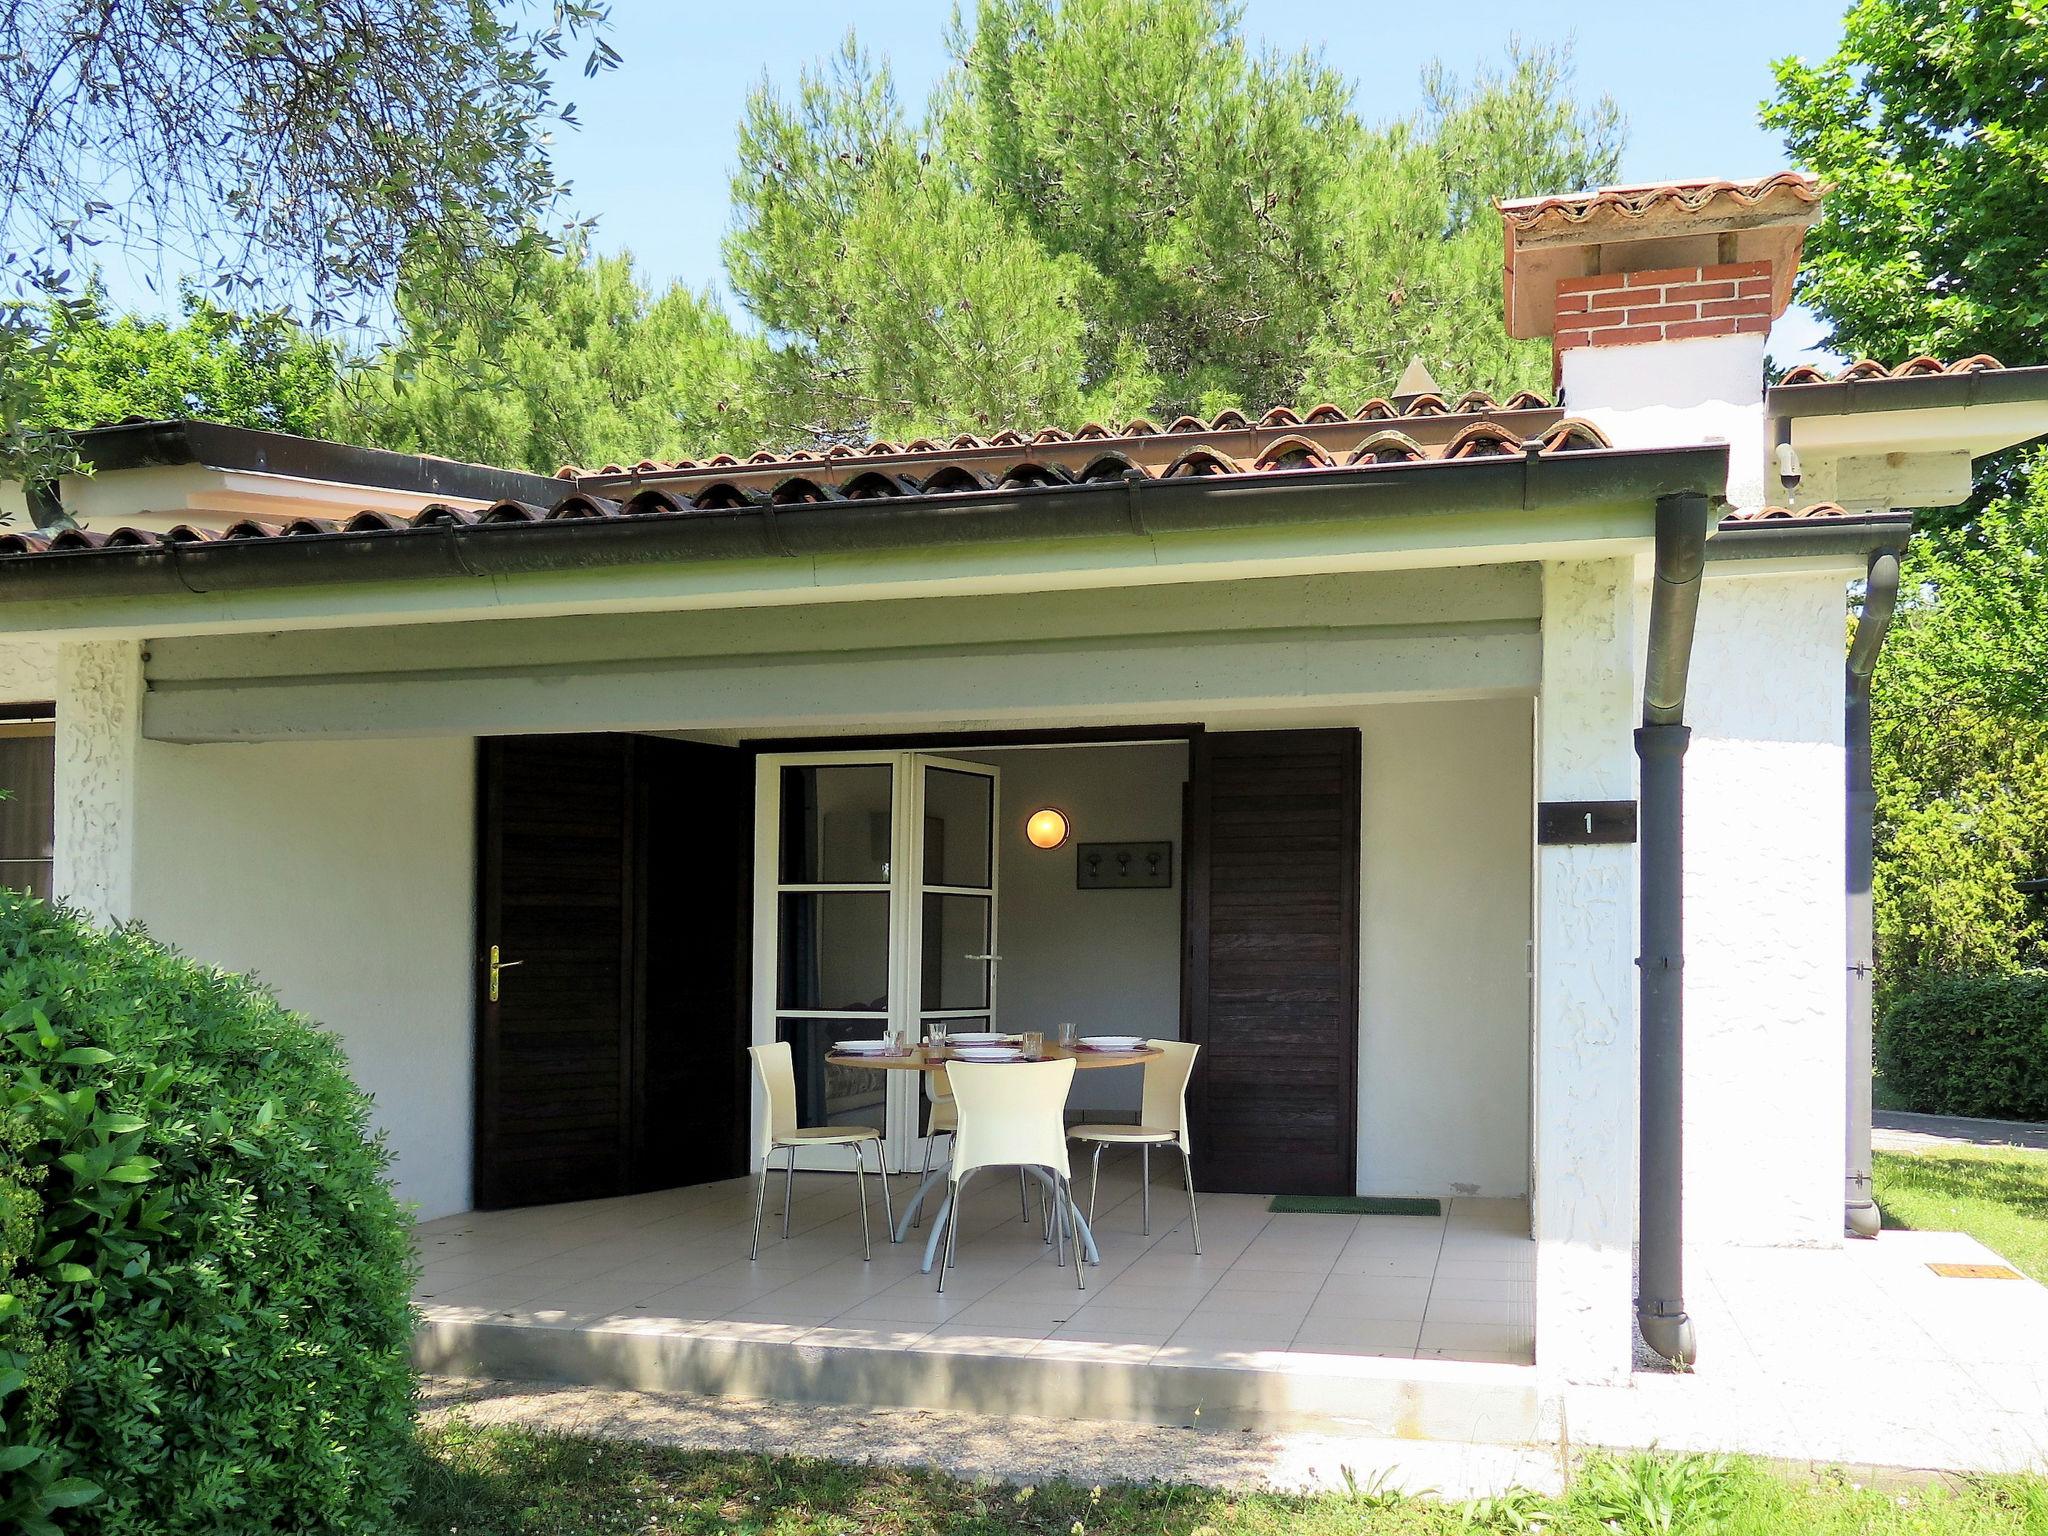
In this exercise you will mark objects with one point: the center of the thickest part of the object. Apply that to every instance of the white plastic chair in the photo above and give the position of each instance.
(943, 1119)
(1012, 1114)
(1162, 1121)
(775, 1070)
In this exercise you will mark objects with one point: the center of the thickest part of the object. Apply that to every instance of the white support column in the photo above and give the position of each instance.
(1585, 1016)
(99, 732)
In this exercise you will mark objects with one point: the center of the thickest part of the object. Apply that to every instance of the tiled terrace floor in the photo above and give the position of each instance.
(1266, 1289)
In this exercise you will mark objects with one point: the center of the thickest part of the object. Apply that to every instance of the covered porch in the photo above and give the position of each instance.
(1391, 1323)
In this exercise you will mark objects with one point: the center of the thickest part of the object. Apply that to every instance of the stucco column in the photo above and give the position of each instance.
(99, 733)
(1585, 1048)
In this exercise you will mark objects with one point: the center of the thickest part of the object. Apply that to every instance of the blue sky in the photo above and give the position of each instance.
(656, 146)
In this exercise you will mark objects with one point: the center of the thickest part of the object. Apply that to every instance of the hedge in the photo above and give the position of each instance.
(204, 1278)
(1969, 1045)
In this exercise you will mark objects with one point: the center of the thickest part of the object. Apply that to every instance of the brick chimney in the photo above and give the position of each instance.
(1657, 300)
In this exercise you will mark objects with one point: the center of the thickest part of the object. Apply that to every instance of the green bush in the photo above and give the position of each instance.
(1969, 1045)
(205, 1273)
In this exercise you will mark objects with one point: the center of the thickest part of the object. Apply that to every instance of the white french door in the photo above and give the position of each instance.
(874, 915)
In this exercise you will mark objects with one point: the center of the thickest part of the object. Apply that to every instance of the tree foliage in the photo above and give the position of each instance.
(582, 364)
(1960, 747)
(213, 365)
(1930, 125)
(1119, 205)
(288, 152)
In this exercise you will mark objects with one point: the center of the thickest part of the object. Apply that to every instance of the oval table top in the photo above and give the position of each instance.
(920, 1060)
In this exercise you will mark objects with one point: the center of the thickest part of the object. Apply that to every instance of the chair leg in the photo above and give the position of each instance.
(1074, 1222)
(1095, 1186)
(788, 1190)
(917, 1215)
(860, 1184)
(1024, 1200)
(1194, 1216)
(1145, 1183)
(888, 1206)
(957, 1188)
(760, 1200)
(1059, 1227)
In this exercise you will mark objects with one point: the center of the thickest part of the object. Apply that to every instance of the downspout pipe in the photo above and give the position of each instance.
(1681, 555)
(1880, 598)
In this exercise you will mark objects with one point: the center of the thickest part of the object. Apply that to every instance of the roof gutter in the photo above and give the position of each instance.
(1880, 600)
(822, 530)
(1680, 563)
(1842, 397)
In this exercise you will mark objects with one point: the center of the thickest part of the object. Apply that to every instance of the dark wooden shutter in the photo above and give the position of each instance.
(554, 1050)
(612, 870)
(1272, 960)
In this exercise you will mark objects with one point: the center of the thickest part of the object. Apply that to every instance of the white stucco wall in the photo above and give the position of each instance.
(1583, 1204)
(1709, 389)
(1443, 1074)
(340, 873)
(1765, 926)
(28, 671)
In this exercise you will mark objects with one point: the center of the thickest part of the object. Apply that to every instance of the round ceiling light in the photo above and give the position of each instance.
(1046, 828)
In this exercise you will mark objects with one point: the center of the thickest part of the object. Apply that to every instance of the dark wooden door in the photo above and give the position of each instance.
(1272, 960)
(692, 1091)
(554, 1047)
(612, 882)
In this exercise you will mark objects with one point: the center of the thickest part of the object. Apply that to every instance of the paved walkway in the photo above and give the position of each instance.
(1896, 1131)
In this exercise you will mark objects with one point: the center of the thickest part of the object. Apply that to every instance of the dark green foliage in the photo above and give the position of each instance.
(215, 1261)
(1970, 1045)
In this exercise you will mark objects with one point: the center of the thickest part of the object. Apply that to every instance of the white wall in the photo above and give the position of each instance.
(1443, 1072)
(1765, 930)
(1108, 960)
(341, 874)
(1709, 389)
(28, 671)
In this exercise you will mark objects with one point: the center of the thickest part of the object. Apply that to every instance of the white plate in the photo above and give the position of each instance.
(863, 1047)
(989, 1053)
(984, 1039)
(1113, 1042)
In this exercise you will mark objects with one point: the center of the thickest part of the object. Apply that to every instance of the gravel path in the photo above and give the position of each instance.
(1006, 1450)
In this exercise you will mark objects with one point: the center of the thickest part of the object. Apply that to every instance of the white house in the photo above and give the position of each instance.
(1342, 707)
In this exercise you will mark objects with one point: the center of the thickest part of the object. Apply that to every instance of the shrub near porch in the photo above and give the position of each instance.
(215, 1277)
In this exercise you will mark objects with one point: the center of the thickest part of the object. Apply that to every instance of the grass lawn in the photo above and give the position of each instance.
(1998, 1197)
(512, 1482)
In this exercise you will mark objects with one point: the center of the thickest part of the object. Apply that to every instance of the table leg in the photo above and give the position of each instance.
(1083, 1236)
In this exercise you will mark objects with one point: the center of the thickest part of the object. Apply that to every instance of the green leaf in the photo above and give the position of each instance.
(14, 1457)
(74, 1274)
(84, 1056)
(70, 1492)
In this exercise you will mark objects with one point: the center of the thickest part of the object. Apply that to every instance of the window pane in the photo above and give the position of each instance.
(28, 769)
(958, 823)
(955, 927)
(833, 950)
(829, 1095)
(835, 824)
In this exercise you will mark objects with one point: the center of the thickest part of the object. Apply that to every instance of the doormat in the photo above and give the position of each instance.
(1974, 1271)
(1352, 1205)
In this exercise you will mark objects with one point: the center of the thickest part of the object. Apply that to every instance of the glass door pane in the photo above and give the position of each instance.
(956, 955)
(834, 933)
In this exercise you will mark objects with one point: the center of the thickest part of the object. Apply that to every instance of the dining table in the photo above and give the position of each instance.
(919, 1058)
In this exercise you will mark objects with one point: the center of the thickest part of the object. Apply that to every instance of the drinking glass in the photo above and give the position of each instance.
(1034, 1044)
(935, 1043)
(1069, 1033)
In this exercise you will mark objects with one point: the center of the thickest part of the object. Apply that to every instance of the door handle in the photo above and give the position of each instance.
(981, 957)
(498, 965)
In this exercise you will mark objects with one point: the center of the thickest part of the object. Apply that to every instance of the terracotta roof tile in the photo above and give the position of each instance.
(1912, 368)
(1418, 429)
(1648, 200)
(1818, 512)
